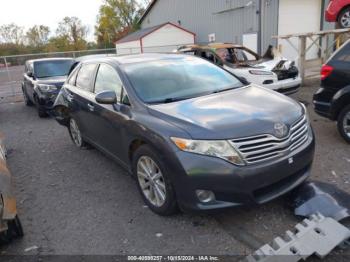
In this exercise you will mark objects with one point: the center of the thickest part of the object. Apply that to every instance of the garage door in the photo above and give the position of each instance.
(298, 16)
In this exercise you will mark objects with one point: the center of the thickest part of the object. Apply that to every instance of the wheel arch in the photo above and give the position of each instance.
(155, 145)
(339, 101)
(134, 145)
(341, 11)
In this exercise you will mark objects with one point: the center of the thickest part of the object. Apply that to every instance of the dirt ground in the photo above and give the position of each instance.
(75, 202)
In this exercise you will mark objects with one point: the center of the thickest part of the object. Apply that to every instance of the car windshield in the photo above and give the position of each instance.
(236, 55)
(170, 80)
(44, 69)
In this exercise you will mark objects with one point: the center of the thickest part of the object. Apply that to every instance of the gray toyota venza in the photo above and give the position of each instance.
(193, 135)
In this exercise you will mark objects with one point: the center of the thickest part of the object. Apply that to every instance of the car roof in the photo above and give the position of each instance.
(89, 57)
(210, 46)
(138, 58)
(50, 59)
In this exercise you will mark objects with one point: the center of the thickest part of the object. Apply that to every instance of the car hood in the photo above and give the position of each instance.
(243, 112)
(57, 80)
(268, 65)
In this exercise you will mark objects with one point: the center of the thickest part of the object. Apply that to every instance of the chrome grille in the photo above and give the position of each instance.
(264, 147)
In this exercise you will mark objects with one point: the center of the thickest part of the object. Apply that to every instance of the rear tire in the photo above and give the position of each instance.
(75, 135)
(344, 18)
(151, 183)
(344, 123)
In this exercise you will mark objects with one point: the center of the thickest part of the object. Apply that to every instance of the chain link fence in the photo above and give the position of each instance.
(12, 70)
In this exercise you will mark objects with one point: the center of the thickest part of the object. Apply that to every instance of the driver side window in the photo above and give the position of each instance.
(107, 79)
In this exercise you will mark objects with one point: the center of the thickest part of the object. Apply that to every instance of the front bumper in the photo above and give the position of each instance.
(236, 186)
(47, 100)
(287, 86)
(322, 102)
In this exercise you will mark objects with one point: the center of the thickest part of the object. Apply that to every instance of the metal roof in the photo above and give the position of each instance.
(146, 31)
(139, 34)
(149, 7)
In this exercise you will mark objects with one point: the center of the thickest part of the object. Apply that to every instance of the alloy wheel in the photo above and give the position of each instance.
(345, 20)
(75, 133)
(346, 124)
(151, 181)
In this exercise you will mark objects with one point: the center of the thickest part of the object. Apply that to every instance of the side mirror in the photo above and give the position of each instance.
(30, 74)
(106, 97)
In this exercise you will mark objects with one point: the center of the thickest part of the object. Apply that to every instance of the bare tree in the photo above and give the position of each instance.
(74, 31)
(38, 35)
(12, 33)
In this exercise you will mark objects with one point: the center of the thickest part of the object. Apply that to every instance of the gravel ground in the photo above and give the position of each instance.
(75, 202)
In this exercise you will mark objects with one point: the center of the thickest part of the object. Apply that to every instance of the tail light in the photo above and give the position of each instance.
(326, 70)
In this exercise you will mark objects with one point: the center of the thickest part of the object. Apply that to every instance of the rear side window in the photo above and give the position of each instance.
(73, 77)
(85, 75)
(343, 55)
(107, 79)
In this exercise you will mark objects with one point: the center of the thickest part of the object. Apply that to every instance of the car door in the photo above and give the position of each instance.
(81, 97)
(109, 119)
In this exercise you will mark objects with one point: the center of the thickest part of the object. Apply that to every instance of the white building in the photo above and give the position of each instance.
(164, 37)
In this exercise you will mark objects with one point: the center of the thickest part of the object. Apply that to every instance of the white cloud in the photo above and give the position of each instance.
(49, 12)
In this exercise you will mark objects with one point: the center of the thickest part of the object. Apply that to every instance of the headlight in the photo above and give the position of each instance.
(47, 88)
(217, 148)
(260, 73)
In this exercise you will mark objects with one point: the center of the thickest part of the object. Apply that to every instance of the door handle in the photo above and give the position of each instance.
(91, 107)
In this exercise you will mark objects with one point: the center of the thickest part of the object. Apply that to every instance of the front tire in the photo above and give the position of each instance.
(26, 99)
(14, 230)
(344, 123)
(153, 181)
(344, 18)
(75, 134)
(41, 111)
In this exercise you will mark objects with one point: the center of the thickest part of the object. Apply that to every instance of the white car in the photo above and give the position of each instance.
(270, 71)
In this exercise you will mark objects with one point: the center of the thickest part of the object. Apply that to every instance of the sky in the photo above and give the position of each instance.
(27, 13)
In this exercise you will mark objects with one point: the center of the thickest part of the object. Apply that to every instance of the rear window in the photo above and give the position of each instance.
(85, 75)
(343, 55)
(52, 68)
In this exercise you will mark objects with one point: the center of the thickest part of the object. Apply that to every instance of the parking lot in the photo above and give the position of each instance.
(75, 201)
(10, 81)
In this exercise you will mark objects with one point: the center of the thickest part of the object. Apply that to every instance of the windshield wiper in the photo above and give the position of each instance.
(223, 90)
(168, 100)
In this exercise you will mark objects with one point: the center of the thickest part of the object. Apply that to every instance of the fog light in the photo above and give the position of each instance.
(205, 196)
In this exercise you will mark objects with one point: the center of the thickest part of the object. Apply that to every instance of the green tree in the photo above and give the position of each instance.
(116, 19)
(12, 33)
(73, 31)
(38, 36)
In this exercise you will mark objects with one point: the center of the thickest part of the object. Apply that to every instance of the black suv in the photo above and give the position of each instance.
(332, 100)
(43, 78)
